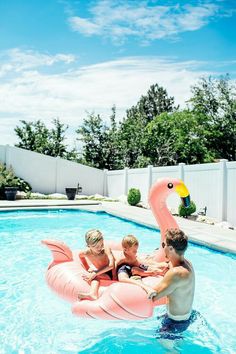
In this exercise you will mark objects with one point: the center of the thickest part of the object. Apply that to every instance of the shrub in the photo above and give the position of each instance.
(9, 179)
(185, 212)
(134, 196)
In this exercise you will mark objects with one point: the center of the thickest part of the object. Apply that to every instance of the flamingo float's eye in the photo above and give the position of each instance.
(170, 185)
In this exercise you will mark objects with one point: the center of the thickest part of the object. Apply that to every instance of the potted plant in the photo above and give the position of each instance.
(10, 193)
(187, 211)
(10, 183)
(71, 193)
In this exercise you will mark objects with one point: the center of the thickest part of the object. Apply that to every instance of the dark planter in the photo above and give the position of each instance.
(71, 193)
(2, 193)
(10, 193)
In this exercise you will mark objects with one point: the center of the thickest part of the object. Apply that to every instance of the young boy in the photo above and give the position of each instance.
(97, 260)
(128, 265)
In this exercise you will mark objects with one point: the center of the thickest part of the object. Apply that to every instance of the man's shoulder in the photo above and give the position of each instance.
(182, 271)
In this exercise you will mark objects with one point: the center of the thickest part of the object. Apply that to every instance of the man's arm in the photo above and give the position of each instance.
(165, 287)
(146, 271)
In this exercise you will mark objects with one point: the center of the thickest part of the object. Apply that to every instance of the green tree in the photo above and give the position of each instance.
(101, 144)
(131, 139)
(214, 102)
(155, 102)
(56, 138)
(175, 137)
(92, 133)
(113, 147)
(132, 129)
(119, 145)
(35, 136)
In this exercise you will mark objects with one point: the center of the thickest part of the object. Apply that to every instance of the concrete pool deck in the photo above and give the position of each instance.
(211, 236)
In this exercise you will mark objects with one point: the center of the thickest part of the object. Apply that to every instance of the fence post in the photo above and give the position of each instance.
(181, 171)
(105, 187)
(7, 158)
(223, 189)
(56, 174)
(4, 147)
(126, 180)
(149, 176)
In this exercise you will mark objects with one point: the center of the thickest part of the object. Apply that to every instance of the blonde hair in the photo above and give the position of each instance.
(92, 237)
(129, 241)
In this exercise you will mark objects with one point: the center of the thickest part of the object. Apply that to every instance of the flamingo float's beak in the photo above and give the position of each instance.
(183, 192)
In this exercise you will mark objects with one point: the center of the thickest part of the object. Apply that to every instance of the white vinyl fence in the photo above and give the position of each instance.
(211, 185)
(52, 175)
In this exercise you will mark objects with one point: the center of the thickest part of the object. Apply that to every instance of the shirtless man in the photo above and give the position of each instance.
(179, 282)
(98, 260)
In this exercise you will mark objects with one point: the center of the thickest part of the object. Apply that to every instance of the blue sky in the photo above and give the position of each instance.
(61, 58)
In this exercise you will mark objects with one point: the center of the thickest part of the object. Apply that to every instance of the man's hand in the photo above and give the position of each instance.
(136, 271)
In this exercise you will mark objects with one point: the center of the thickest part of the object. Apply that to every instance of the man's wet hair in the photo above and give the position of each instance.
(177, 239)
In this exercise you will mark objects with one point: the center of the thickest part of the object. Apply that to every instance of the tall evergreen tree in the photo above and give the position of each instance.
(155, 102)
(132, 129)
(113, 148)
(92, 133)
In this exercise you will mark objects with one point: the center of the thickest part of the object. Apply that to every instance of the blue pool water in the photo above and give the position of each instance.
(35, 320)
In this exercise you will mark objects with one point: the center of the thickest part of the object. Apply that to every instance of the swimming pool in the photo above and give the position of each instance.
(35, 320)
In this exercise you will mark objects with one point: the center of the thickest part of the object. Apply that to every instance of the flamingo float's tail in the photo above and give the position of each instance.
(60, 252)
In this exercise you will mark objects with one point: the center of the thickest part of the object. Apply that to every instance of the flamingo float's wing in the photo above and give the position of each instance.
(116, 303)
(60, 251)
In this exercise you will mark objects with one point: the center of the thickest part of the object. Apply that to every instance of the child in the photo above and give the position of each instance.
(97, 260)
(128, 265)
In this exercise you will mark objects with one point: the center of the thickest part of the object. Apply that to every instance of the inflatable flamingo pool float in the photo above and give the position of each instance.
(117, 300)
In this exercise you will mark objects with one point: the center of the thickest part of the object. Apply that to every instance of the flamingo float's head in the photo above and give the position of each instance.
(165, 186)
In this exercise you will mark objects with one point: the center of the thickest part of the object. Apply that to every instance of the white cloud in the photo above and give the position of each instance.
(29, 92)
(85, 26)
(18, 60)
(117, 20)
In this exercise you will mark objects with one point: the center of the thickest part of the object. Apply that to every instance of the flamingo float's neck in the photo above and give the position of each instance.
(164, 218)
